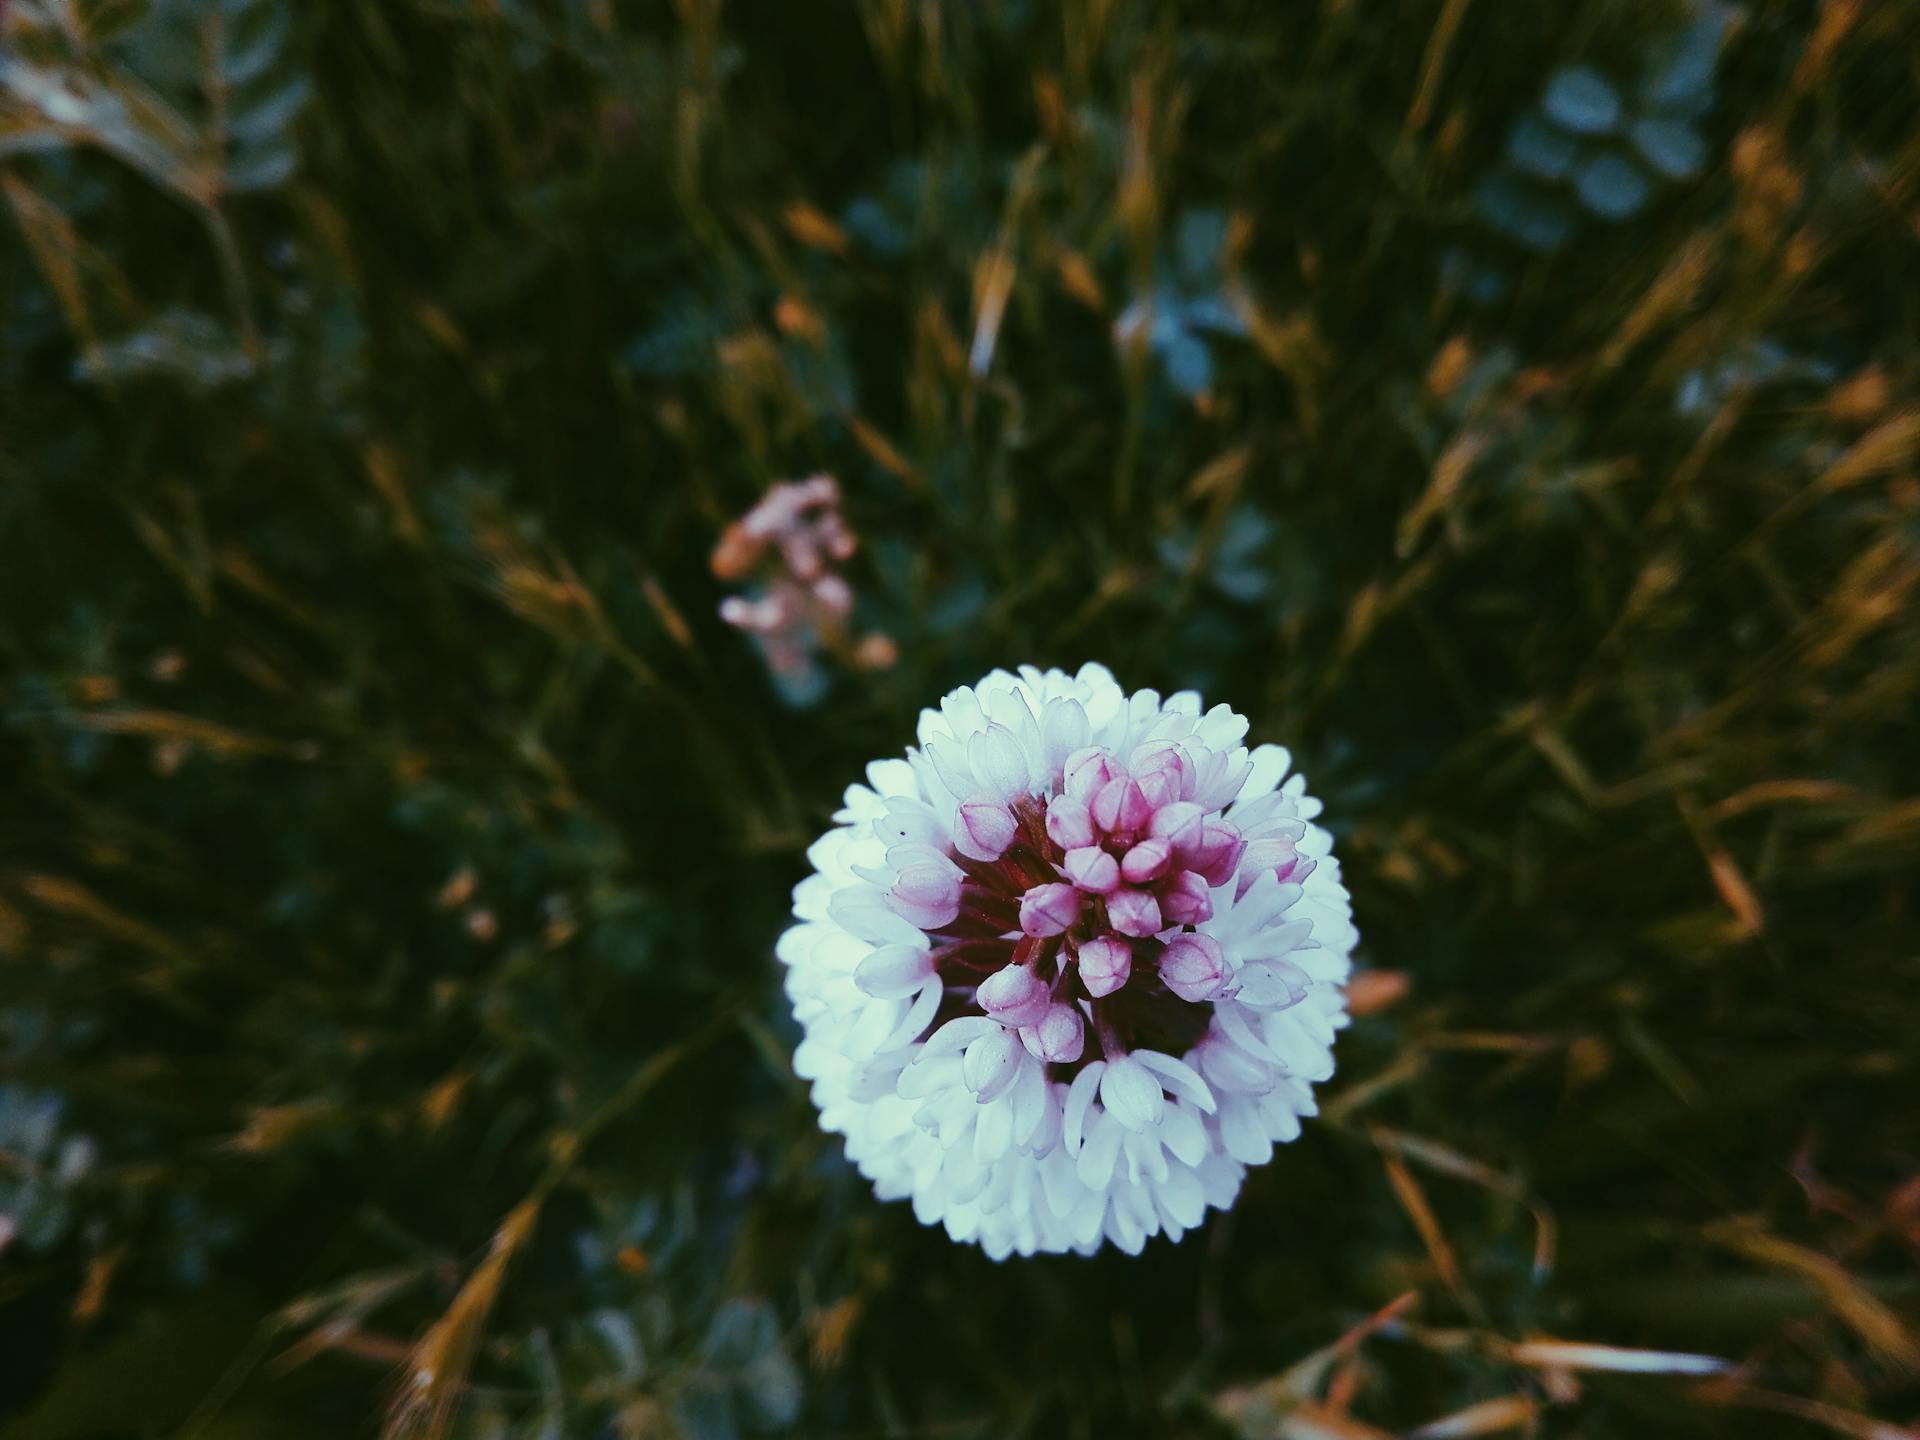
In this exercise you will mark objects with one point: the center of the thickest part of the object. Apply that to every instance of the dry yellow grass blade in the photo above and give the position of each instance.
(1858, 1308)
(1489, 1417)
(76, 902)
(1258, 1409)
(383, 469)
(1413, 1200)
(1670, 294)
(1547, 1354)
(437, 1367)
(1836, 22)
(1443, 489)
(1449, 1161)
(1319, 1422)
(165, 725)
(439, 1363)
(1815, 1412)
(828, 1330)
(814, 229)
(1766, 794)
(55, 246)
(884, 453)
(272, 1127)
(1439, 44)
(1888, 447)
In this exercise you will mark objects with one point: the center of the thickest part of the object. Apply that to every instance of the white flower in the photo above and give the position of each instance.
(1071, 966)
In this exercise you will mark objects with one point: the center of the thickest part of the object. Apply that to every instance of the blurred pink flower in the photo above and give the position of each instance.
(789, 545)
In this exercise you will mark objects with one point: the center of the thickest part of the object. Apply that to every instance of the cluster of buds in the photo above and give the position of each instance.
(793, 540)
(1086, 904)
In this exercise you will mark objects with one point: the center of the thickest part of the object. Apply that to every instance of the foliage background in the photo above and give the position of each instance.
(1512, 408)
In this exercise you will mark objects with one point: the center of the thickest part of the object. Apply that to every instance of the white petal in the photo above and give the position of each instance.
(1125, 1231)
(929, 1075)
(1132, 1094)
(1064, 730)
(1046, 1135)
(894, 971)
(998, 763)
(1242, 1133)
(892, 777)
(1028, 1101)
(1232, 1020)
(919, 1016)
(1060, 1183)
(993, 1131)
(910, 822)
(1097, 1156)
(1181, 1195)
(1229, 1068)
(1145, 1158)
(949, 759)
(1079, 1097)
(869, 1034)
(992, 1063)
(1179, 1077)
(1183, 1133)
(862, 910)
(959, 1033)
(1270, 764)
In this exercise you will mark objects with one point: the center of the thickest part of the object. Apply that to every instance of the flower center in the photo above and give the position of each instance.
(1082, 908)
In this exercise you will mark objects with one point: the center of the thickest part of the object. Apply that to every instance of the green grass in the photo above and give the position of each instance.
(395, 839)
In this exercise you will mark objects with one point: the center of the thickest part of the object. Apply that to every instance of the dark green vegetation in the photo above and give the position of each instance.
(1510, 407)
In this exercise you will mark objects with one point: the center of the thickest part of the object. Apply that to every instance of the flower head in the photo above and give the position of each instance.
(789, 545)
(1071, 965)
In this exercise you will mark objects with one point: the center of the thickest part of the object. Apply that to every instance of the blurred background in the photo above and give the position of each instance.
(416, 695)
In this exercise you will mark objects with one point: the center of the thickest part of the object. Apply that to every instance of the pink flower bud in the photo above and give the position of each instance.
(1217, 856)
(1185, 899)
(1133, 912)
(1120, 808)
(1086, 770)
(1183, 823)
(1014, 996)
(926, 895)
(1069, 822)
(1091, 869)
(1157, 787)
(1194, 968)
(1059, 1037)
(1146, 862)
(1163, 776)
(984, 828)
(1049, 909)
(1105, 964)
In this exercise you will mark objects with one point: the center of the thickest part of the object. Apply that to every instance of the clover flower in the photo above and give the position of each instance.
(792, 541)
(1071, 966)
